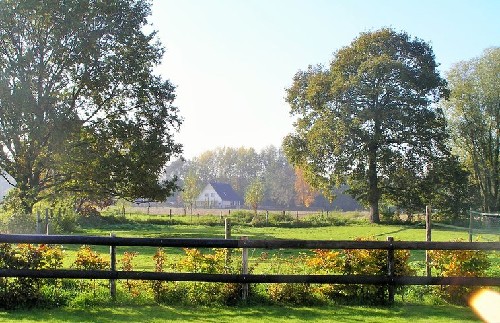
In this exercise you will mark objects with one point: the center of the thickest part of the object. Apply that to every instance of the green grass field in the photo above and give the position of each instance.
(158, 313)
(141, 225)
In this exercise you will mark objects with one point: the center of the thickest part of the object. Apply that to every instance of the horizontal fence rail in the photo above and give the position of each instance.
(253, 278)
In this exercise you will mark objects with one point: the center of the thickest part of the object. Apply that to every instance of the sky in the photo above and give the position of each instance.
(232, 60)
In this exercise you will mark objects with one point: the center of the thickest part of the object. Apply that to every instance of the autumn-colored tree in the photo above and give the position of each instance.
(304, 193)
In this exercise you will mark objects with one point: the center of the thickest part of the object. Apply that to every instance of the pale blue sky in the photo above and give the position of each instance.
(232, 59)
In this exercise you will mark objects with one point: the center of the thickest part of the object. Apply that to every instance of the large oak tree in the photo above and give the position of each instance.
(80, 107)
(367, 115)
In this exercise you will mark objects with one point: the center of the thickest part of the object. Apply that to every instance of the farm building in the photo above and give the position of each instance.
(218, 195)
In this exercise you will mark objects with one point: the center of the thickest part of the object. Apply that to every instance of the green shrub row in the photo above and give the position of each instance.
(29, 292)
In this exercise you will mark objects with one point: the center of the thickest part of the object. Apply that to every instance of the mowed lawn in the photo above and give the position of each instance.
(158, 313)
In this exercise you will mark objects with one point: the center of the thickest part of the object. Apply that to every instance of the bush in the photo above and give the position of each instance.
(64, 222)
(358, 262)
(291, 293)
(198, 293)
(16, 292)
(87, 259)
(460, 263)
(281, 217)
(242, 216)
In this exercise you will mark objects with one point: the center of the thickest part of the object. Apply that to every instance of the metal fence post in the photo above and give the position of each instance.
(47, 221)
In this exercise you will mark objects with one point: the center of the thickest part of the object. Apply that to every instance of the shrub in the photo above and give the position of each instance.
(281, 217)
(290, 293)
(87, 259)
(23, 291)
(358, 262)
(461, 263)
(133, 287)
(200, 293)
(64, 221)
(242, 216)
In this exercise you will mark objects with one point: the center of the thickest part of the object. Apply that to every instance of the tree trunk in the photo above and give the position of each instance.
(373, 189)
(374, 213)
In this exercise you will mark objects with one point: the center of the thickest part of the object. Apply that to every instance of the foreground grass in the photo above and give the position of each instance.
(158, 313)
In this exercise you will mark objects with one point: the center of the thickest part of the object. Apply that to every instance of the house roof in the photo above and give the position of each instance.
(225, 191)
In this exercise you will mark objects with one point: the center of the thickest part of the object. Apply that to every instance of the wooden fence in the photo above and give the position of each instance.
(389, 279)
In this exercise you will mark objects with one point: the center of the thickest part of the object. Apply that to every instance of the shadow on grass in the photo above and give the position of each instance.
(158, 313)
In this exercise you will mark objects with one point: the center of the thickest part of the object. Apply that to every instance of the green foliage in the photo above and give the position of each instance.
(368, 115)
(81, 110)
(20, 224)
(461, 263)
(133, 287)
(27, 292)
(199, 293)
(290, 293)
(254, 194)
(358, 262)
(473, 114)
(87, 259)
(191, 189)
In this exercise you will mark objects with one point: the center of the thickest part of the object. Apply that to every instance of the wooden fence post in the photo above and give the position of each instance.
(470, 225)
(244, 270)
(38, 222)
(428, 228)
(227, 235)
(112, 282)
(227, 228)
(390, 268)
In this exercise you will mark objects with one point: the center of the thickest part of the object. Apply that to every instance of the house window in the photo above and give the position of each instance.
(206, 194)
(212, 194)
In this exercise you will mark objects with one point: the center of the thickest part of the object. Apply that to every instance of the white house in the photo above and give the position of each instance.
(218, 195)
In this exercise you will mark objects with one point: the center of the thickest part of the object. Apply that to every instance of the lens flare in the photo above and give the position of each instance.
(486, 304)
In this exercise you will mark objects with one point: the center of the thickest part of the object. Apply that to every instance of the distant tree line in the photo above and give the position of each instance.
(246, 169)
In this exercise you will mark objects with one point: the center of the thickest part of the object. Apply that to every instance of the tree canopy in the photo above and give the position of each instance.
(368, 115)
(474, 115)
(254, 194)
(80, 107)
